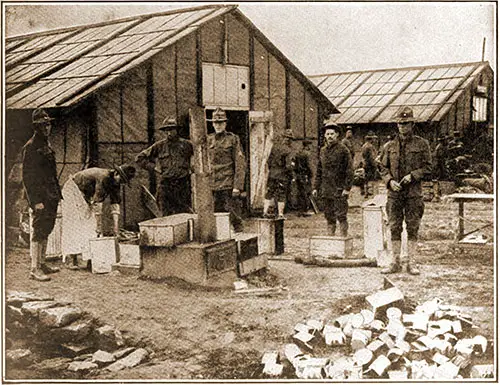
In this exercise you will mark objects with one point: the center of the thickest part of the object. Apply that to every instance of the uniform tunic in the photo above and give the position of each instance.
(335, 174)
(41, 185)
(170, 159)
(280, 172)
(400, 158)
(369, 154)
(227, 165)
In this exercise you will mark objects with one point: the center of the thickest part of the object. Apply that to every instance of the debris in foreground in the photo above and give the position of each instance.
(434, 342)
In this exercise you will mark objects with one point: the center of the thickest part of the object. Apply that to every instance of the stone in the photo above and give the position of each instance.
(52, 364)
(33, 308)
(133, 359)
(82, 366)
(102, 358)
(122, 352)
(74, 332)
(59, 316)
(18, 356)
(108, 338)
(16, 298)
(73, 350)
(13, 313)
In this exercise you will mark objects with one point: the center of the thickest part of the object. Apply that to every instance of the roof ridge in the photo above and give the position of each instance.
(120, 20)
(400, 68)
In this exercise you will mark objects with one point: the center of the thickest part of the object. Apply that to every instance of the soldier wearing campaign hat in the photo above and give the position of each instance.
(42, 190)
(227, 163)
(170, 160)
(405, 161)
(334, 178)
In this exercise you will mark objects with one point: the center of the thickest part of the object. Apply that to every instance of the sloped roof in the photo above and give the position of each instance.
(58, 68)
(377, 96)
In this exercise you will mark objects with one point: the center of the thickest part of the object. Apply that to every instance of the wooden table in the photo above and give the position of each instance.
(462, 199)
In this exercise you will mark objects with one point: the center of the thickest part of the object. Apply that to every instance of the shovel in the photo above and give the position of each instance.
(150, 202)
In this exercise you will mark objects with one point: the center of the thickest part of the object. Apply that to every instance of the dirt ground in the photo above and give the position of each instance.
(200, 333)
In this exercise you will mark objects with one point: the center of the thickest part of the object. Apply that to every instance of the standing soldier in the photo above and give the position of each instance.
(440, 157)
(334, 179)
(280, 165)
(369, 154)
(227, 164)
(347, 141)
(170, 159)
(303, 175)
(42, 190)
(405, 161)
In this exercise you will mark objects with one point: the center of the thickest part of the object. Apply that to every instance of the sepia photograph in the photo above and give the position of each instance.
(249, 191)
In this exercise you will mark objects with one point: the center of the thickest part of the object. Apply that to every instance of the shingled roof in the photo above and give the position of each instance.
(61, 67)
(377, 96)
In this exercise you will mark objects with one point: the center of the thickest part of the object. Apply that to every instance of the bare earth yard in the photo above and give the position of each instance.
(199, 333)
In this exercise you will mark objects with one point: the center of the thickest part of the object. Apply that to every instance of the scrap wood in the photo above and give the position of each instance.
(360, 262)
(261, 291)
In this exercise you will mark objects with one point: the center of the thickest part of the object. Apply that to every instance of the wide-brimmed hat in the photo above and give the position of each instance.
(127, 172)
(219, 115)
(330, 124)
(405, 115)
(371, 135)
(169, 124)
(40, 116)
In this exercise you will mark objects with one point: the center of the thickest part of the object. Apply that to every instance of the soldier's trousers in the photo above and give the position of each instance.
(410, 209)
(174, 195)
(44, 221)
(336, 209)
(224, 202)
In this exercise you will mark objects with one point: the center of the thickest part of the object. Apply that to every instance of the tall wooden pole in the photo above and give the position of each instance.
(484, 48)
(203, 191)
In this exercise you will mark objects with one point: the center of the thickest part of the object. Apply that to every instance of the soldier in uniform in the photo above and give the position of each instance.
(280, 164)
(369, 154)
(170, 159)
(405, 162)
(303, 175)
(228, 168)
(42, 190)
(334, 179)
(347, 141)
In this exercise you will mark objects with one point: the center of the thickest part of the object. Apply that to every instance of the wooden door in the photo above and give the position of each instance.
(261, 141)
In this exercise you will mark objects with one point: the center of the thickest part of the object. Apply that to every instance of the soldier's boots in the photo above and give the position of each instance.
(410, 269)
(49, 270)
(395, 266)
(36, 263)
(412, 251)
(38, 275)
(344, 228)
(332, 228)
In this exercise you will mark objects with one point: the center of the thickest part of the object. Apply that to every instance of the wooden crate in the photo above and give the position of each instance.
(252, 265)
(130, 254)
(205, 264)
(247, 245)
(223, 226)
(166, 231)
(271, 237)
(104, 252)
(331, 247)
(373, 231)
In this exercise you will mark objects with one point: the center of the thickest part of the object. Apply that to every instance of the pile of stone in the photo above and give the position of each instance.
(40, 328)
(434, 341)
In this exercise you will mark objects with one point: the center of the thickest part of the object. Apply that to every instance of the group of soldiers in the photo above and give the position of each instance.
(403, 163)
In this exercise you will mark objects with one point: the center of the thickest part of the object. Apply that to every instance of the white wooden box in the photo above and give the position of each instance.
(130, 254)
(104, 252)
(166, 231)
(223, 226)
(331, 247)
(373, 231)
